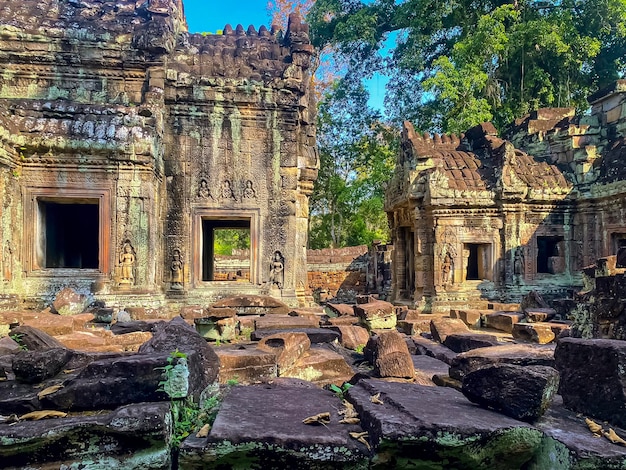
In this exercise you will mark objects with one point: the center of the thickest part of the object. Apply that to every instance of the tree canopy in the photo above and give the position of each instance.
(458, 63)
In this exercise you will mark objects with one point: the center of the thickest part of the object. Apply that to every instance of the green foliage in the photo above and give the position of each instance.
(456, 64)
(229, 239)
(357, 154)
(18, 339)
(340, 391)
(360, 348)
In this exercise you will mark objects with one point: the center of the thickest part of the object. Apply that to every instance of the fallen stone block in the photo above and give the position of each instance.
(345, 320)
(593, 377)
(191, 312)
(472, 318)
(36, 366)
(441, 327)
(8, 346)
(135, 326)
(176, 335)
(424, 426)
(467, 341)
(539, 314)
(322, 367)
(414, 327)
(263, 426)
(253, 305)
(388, 353)
(133, 436)
(69, 302)
(518, 354)
(376, 314)
(88, 341)
(341, 309)
(429, 366)
(34, 339)
(502, 307)
(54, 325)
(540, 333)
(246, 364)
(285, 322)
(434, 349)
(521, 392)
(503, 321)
(316, 335)
(216, 328)
(287, 347)
(352, 336)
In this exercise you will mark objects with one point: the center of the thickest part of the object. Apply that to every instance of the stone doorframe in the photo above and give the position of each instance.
(198, 215)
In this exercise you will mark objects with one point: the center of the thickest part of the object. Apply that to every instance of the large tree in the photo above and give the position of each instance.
(356, 158)
(457, 63)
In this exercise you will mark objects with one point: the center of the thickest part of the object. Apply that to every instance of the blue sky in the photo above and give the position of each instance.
(203, 15)
(211, 15)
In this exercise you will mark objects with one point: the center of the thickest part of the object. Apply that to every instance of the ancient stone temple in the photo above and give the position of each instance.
(477, 217)
(128, 143)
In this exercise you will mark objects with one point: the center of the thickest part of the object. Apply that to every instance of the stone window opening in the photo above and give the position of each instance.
(550, 259)
(619, 249)
(68, 233)
(226, 250)
(477, 256)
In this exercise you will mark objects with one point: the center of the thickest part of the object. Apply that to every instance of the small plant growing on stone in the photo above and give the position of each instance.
(18, 339)
(340, 391)
(360, 348)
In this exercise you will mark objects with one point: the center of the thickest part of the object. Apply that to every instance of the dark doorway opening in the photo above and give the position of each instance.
(478, 261)
(70, 232)
(226, 250)
(619, 248)
(549, 254)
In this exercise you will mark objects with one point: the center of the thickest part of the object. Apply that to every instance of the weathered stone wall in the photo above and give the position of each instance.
(114, 105)
(477, 216)
(338, 272)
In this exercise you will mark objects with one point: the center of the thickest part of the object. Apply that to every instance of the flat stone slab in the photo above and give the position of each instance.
(285, 322)
(422, 426)
(431, 348)
(261, 427)
(316, 335)
(133, 436)
(429, 365)
(567, 434)
(246, 364)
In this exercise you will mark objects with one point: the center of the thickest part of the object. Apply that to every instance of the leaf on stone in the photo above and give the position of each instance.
(321, 418)
(594, 427)
(348, 411)
(362, 438)
(204, 431)
(376, 399)
(350, 421)
(42, 414)
(614, 438)
(49, 390)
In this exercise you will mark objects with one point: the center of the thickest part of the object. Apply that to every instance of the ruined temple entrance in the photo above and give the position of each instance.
(550, 255)
(226, 250)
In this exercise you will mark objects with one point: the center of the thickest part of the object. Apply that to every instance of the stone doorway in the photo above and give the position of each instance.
(68, 234)
(226, 250)
(550, 259)
(478, 257)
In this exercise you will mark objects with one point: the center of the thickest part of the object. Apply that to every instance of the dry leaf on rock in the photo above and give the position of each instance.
(362, 438)
(376, 399)
(350, 421)
(321, 418)
(49, 391)
(594, 427)
(42, 414)
(614, 438)
(204, 431)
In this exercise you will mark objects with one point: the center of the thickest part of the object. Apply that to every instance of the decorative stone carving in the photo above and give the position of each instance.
(177, 271)
(277, 270)
(519, 263)
(227, 191)
(249, 192)
(446, 268)
(127, 264)
(203, 190)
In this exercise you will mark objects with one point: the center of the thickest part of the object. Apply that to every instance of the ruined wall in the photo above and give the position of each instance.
(340, 273)
(117, 123)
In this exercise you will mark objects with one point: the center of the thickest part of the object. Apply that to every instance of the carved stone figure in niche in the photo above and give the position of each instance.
(7, 262)
(177, 271)
(249, 192)
(447, 267)
(277, 270)
(127, 264)
(519, 263)
(227, 190)
(203, 190)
